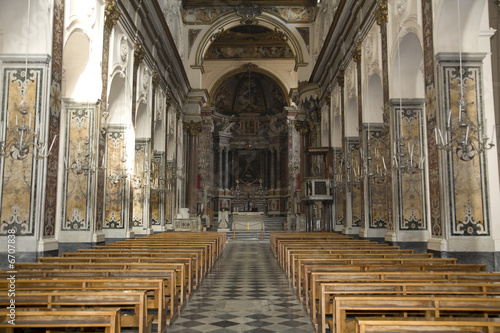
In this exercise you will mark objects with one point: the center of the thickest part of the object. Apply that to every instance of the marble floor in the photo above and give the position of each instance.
(246, 291)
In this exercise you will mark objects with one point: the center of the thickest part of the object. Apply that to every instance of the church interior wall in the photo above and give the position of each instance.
(133, 135)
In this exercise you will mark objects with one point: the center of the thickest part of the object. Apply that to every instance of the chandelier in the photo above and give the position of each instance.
(405, 158)
(463, 135)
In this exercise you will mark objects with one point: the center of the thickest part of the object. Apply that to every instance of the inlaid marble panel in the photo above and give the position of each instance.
(409, 151)
(466, 184)
(18, 178)
(138, 182)
(356, 168)
(339, 188)
(79, 161)
(156, 171)
(377, 196)
(115, 183)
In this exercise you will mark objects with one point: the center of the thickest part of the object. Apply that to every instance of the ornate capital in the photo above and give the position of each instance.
(155, 79)
(302, 126)
(193, 128)
(111, 14)
(138, 53)
(356, 53)
(340, 78)
(381, 13)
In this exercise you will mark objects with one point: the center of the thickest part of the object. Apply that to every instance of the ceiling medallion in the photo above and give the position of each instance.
(248, 12)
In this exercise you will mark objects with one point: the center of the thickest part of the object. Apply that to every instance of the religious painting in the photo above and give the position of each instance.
(249, 92)
(249, 163)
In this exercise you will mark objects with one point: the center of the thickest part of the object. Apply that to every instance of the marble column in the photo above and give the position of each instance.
(193, 129)
(47, 240)
(381, 16)
(273, 169)
(226, 171)
(221, 154)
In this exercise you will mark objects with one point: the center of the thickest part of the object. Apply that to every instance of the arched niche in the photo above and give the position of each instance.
(374, 100)
(118, 102)
(448, 29)
(76, 56)
(351, 118)
(407, 78)
(142, 123)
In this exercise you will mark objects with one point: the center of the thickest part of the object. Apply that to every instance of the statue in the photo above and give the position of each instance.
(227, 125)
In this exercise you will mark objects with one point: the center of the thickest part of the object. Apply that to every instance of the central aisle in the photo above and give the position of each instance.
(245, 292)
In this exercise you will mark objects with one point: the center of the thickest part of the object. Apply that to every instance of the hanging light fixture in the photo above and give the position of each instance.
(23, 135)
(405, 157)
(465, 136)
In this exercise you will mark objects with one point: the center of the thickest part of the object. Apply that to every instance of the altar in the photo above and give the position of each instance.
(246, 221)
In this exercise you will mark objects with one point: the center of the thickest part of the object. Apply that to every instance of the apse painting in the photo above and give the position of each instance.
(249, 166)
(249, 93)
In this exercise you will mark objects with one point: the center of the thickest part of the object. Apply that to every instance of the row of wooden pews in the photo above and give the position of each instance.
(135, 283)
(350, 285)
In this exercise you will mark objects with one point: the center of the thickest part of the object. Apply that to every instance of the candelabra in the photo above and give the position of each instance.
(378, 172)
(405, 159)
(464, 135)
(251, 193)
(23, 138)
(117, 177)
(84, 162)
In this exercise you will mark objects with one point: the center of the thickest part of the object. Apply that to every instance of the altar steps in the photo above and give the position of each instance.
(274, 223)
(247, 236)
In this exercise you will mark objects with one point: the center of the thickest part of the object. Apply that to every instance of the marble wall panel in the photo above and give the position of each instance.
(377, 196)
(19, 177)
(137, 182)
(156, 171)
(411, 186)
(356, 192)
(115, 188)
(466, 185)
(79, 158)
(339, 188)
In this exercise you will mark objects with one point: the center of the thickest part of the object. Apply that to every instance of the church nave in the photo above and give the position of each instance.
(246, 291)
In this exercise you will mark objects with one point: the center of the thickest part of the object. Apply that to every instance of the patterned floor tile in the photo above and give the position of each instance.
(246, 291)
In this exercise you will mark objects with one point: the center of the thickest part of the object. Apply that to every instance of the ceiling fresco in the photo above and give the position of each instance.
(209, 13)
(249, 92)
(249, 41)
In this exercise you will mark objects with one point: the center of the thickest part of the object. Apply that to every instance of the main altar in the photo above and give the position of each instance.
(248, 221)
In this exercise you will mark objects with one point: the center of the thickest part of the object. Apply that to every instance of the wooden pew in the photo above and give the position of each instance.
(103, 300)
(329, 291)
(169, 276)
(198, 255)
(204, 251)
(384, 265)
(428, 306)
(352, 251)
(435, 325)
(109, 319)
(192, 276)
(157, 290)
(343, 248)
(315, 299)
(297, 268)
(181, 282)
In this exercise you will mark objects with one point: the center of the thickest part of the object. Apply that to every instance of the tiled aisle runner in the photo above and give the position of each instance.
(245, 292)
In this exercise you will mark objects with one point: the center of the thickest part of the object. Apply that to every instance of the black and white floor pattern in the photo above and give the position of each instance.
(246, 291)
